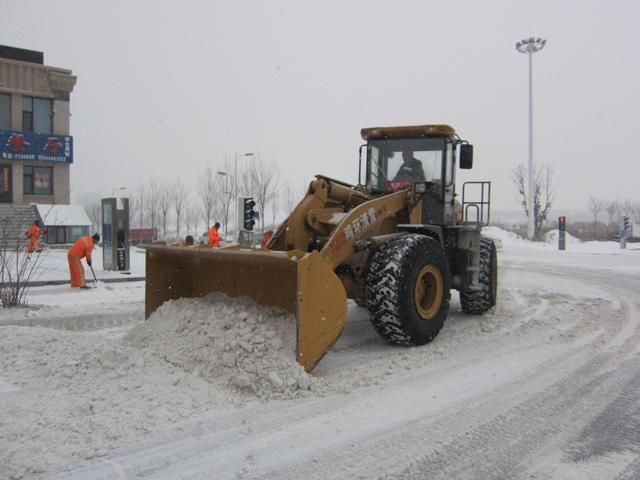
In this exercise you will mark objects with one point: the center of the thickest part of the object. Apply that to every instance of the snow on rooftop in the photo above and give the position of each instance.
(63, 215)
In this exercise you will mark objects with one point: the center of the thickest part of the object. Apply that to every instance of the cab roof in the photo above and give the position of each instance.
(410, 131)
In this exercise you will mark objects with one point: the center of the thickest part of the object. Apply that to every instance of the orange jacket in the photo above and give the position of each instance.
(214, 237)
(82, 248)
(266, 236)
(34, 232)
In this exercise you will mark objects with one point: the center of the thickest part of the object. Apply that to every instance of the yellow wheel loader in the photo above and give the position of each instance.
(396, 243)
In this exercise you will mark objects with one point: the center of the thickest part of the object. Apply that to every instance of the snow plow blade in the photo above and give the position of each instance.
(297, 282)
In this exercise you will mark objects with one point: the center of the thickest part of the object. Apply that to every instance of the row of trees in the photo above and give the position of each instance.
(176, 208)
(543, 195)
(613, 212)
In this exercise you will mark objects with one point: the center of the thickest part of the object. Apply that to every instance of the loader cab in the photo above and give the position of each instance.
(398, 163)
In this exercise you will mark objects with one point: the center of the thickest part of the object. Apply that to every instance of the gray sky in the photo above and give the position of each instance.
(165, 87)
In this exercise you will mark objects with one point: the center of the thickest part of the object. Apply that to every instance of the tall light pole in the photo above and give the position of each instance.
(235, 188)
(531, 46)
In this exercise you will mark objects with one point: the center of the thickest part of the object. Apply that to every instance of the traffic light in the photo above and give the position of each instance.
(562, 223)
(248, 213)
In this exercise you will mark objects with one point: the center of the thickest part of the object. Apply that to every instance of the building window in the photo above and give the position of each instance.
(5, 111)
(55, 234)
(37, 115)
(38, 180)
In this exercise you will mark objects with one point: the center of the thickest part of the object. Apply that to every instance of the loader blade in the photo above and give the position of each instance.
(300, 283)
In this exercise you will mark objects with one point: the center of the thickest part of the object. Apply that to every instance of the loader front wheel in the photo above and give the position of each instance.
(408, 290)
(479, 301)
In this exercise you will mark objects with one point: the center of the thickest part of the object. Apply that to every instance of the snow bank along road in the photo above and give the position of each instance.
(545, 386)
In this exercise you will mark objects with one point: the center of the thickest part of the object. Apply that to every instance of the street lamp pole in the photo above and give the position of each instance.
(235, 189)
(531, 46)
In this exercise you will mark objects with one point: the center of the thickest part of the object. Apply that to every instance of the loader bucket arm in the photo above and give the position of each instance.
(300, 283)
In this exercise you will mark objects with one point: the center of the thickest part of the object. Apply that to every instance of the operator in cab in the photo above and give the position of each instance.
(411, 169)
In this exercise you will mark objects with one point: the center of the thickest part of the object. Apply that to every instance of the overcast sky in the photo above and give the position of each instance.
(166, 87)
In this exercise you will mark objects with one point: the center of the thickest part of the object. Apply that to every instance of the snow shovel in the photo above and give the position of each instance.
(95, 279)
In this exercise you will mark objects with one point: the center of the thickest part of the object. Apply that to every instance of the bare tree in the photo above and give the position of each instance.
(191, 217)
(164, 204)
(612, 209)
(17, 266)
(152, 203)
(595, 207)
(264, 181)
(207, 194)
(275, 207)
(636, 214)
(542, 193)
(93, 209)
(626, 207)
(180, 197)
(137, 206)
(225, 193)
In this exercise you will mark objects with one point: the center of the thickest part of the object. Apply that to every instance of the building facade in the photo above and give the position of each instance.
(36, 150)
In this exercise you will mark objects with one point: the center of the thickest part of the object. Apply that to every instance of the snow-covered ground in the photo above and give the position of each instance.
(52, 264)
(543, 386)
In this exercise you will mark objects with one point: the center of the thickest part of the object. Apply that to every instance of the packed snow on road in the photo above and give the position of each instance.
(544, 385)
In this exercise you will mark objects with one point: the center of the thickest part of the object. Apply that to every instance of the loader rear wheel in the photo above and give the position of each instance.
(408, 290)
(479, 301)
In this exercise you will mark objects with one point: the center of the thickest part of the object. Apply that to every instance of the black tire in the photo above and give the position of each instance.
(408, 289)
(479, 301)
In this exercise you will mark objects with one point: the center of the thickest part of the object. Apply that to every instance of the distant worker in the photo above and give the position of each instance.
(214, 236)
(82, 248)
(187, 242)
(33, 234)
(411, 169)
(266, 236)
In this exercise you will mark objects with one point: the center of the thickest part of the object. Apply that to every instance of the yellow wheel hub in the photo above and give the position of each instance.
(428, 292)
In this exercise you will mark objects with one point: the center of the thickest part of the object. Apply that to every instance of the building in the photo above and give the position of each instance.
(64, 224)
(36, 150)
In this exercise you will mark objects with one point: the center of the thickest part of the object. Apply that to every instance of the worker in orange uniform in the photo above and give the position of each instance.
(82, 248)
(214, 236)
(187, 242)
(33, 234)
(266, 236)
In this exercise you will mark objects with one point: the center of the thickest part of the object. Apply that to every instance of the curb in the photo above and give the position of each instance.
(45, 283)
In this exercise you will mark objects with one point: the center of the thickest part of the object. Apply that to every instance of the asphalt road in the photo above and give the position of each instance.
(545, 387)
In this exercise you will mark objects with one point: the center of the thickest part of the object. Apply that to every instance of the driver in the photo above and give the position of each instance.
(411, 168)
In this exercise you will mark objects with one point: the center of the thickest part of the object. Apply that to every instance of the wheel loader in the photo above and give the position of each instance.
(396, 243)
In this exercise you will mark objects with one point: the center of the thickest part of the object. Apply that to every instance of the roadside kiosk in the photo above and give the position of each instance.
(115, 234)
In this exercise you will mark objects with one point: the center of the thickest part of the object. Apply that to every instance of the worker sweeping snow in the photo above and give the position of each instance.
(81, 249)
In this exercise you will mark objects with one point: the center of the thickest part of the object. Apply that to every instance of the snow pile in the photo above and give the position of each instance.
(503, 236)
(81, 394)
(235, 341)
(552, 237)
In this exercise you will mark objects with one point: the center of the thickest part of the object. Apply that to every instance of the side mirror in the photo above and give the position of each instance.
(466, 156)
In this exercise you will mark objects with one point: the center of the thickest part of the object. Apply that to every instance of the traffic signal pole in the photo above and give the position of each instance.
(562, 229)
(625, 232)
(246, 221)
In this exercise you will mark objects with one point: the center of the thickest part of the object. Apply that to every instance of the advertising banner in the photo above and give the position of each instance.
(39, 147)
